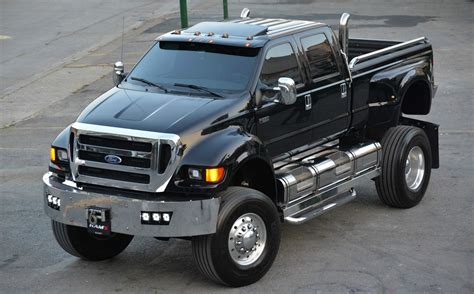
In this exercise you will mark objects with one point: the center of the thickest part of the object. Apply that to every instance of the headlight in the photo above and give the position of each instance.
(62, 155)
(209, 175)
(195, 174)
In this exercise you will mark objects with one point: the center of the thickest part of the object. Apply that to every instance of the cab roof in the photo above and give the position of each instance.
(244, 32)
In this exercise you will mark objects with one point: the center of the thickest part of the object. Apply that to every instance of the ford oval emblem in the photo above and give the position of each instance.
(113, 159)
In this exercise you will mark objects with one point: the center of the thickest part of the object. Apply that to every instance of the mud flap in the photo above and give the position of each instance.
(431, 131)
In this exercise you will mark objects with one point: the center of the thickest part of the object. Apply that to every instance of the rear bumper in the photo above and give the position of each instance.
(189, 217)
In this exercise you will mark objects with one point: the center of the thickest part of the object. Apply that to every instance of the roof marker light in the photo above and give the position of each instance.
(249, 38)
(225, 35)
(176, 32)
(247, 44)
(197, 33)
(210, 34)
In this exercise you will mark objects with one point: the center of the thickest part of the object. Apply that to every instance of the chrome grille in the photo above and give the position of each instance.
(143, 161)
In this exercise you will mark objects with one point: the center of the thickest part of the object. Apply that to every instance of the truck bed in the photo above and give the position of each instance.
(364, 53)
(359, 47)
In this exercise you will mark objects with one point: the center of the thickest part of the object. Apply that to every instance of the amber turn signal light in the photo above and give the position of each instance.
(214, 175)
(52, 154)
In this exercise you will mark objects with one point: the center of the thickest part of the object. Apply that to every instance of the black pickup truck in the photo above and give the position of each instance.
(225, 130)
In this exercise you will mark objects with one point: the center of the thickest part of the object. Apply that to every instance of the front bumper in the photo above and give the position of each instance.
(189, 217)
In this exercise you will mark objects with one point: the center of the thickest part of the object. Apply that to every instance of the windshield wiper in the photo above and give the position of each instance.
(196, 87)
(149, 83)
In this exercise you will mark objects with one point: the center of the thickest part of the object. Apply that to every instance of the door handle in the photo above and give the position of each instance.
(307, 102)
(343, 90)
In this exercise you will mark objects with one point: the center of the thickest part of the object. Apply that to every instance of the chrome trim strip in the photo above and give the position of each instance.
(377, 69)
(120, 152)
(117, 167)
(376, 40)
(321, 88)
(133, 133)
(378, 104)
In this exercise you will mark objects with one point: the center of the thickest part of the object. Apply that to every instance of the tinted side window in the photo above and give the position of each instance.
(319, 54)
(280, 61)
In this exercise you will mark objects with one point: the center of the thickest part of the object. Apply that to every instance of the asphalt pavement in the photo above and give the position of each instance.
(359, 248)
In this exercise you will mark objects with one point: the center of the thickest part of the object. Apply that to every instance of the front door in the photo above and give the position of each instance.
(282, 127)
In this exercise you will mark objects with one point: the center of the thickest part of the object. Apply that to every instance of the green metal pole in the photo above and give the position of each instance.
(183, 9)
(226, 10)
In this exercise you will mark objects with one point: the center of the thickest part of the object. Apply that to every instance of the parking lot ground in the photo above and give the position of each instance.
(361, 247)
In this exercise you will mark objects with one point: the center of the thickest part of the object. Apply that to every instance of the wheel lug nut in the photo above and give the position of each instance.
(249, 226)
(242, 249)
(254, 229)
(244, 229)
(238, 242)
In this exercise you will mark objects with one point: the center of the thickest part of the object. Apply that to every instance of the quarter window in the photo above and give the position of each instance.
(320, 57)
(280, 61)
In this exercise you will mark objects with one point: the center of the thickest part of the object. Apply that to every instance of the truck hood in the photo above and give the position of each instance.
(157, 112)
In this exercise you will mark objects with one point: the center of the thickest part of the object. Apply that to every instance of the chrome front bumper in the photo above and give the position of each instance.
(189, 217)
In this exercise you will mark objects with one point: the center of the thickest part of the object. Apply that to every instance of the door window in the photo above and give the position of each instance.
(280, 61)
(319, 54)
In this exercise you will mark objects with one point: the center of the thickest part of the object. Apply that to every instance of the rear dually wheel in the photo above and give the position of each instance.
(406, 167)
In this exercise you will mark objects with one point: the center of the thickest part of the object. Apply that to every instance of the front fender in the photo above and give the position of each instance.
(228, 148)
(222, 148)
(62, 140)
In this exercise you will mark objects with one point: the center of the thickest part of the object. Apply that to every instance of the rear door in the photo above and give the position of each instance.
(283, 127)
(329, 91)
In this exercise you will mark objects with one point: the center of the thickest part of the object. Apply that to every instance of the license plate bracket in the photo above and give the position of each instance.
(98, 221)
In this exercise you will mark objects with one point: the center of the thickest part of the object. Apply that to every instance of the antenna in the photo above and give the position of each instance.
(123, 32)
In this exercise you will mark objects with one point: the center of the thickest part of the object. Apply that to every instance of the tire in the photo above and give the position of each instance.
(402, 185)
(216, 254)
(78, 242)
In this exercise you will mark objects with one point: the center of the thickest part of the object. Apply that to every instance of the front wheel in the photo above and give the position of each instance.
(246, 242)
(78, 242)
(406, 167)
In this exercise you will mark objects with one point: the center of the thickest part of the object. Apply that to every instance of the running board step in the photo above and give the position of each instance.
(322, 207)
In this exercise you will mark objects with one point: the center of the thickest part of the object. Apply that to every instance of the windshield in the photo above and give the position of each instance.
(222, 69)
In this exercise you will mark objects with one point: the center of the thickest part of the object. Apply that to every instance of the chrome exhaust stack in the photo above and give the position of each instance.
(344, 32)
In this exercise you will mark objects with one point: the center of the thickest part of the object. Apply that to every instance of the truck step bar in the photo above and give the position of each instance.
(324, 180)
(322, 207)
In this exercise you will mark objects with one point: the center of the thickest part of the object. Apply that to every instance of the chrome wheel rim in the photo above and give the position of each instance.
(415, 168)
(247, 239)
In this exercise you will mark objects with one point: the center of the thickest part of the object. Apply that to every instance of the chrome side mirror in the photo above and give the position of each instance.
(287, 89)
(118, 74)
